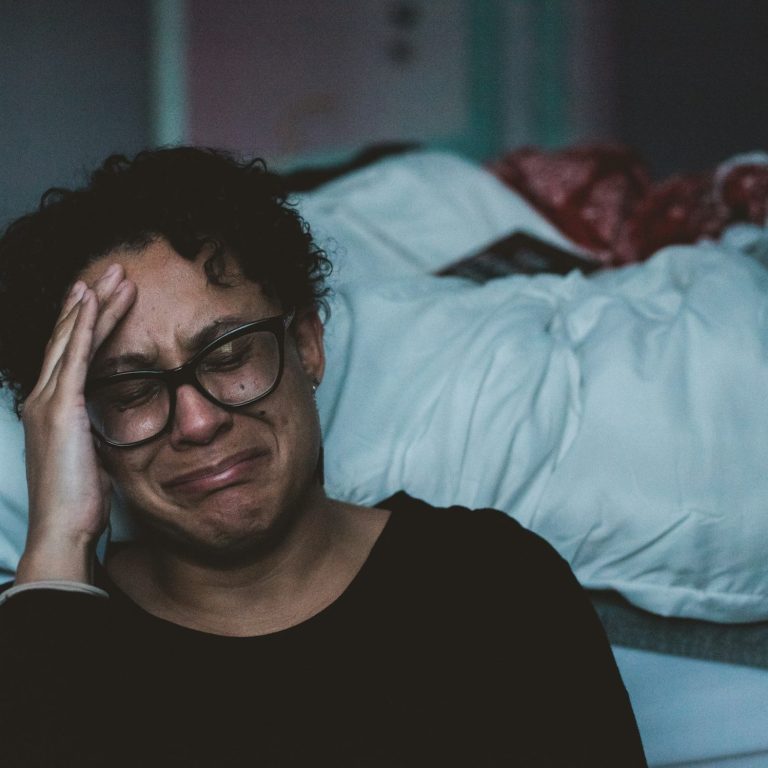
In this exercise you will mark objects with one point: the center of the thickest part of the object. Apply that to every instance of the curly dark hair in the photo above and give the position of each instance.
(192, 197)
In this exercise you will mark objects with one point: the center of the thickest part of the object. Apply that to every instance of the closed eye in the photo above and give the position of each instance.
(134, 394)
(230, 355)
(223, 359)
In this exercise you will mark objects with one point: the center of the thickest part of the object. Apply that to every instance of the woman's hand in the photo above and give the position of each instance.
(69, 490)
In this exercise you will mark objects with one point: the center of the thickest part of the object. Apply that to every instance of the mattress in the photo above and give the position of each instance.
(696, 712)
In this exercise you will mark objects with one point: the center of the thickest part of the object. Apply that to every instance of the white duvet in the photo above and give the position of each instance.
(622, 416)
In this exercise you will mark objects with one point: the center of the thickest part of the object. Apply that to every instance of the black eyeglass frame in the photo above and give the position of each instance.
(186, 374)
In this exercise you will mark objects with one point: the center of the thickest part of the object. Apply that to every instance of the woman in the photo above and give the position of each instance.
(253, 620)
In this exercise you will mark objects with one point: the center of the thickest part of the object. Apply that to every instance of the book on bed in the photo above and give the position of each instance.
(519, 253)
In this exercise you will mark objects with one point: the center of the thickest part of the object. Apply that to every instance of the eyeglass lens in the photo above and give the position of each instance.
(233, 373)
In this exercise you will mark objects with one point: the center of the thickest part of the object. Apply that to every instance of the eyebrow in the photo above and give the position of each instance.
(137, 361)
(212, 331)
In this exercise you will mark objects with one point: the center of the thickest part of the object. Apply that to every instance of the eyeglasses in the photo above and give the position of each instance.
(237, 369)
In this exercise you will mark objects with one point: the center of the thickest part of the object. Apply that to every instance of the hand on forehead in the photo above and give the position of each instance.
(174, 302)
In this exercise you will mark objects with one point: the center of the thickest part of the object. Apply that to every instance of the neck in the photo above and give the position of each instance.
(314, 561)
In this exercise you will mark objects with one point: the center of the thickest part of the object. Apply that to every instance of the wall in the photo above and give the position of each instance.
(294, 79)
(691, 79)
(73, 88)
(301, 78)
(557, 76)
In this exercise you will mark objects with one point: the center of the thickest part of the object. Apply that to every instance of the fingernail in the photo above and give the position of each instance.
(110, 272)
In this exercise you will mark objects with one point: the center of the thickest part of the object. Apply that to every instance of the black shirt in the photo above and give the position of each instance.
(464, 640)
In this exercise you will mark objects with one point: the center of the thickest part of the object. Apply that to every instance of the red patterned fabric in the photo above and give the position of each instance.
(745, 191)
(601, 197)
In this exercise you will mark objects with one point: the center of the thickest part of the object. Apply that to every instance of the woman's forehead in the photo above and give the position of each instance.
(175, 299)
(158, 261)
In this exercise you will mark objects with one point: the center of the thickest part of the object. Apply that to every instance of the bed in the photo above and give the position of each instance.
(480, 355)
(694, 713)
(622, 469)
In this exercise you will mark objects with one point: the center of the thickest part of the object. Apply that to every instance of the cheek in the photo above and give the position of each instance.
(298, 414)
(291, 418)
(127, 467)
(304, 427)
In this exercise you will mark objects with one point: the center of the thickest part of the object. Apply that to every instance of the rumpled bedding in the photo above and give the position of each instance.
(621, 416)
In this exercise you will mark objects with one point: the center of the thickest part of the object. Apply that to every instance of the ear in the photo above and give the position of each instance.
(307, 330)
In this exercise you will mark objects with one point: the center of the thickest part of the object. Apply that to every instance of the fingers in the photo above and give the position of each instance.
(74, 296)
(109, 280)
(103, 287)
(115, 295)
(69, 313)
(112, 309)
(60, 336)
(112, 296)
(72, 367)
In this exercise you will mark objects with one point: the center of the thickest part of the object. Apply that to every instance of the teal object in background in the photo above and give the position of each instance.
(168, 72)
(489, 56)
(550, 87)
(485, 135)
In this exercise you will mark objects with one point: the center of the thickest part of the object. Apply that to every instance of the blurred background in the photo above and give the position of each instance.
(301, 81)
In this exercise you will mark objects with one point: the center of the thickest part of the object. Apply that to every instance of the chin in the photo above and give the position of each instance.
(227, 550)
(229, 534)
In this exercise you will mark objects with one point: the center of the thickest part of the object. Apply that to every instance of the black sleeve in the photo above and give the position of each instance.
(583, 691)
(547, 689)
(53, 648)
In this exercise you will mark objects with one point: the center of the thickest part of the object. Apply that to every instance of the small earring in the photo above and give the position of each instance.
(315, 385)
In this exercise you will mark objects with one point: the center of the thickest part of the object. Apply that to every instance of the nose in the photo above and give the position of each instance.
(196, 421)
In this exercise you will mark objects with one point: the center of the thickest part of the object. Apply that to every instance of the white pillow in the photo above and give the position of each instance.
(13, 489)
(415, 213)
(622, 416)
